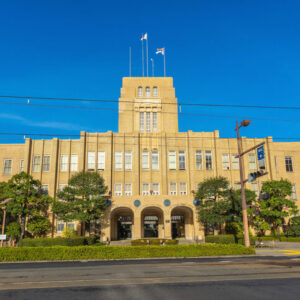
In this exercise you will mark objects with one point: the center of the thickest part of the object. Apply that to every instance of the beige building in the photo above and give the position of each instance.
(151, 169)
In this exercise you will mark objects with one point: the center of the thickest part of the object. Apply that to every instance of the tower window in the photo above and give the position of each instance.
(154, 121)
(140, 92)
(155, 91)
(148, 92)
(142, 122)
(148, 121)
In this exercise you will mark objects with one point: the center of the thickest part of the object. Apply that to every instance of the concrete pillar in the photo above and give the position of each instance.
(168, 225)
(137, 226)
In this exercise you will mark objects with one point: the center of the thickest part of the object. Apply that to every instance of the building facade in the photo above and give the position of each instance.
(151, 169)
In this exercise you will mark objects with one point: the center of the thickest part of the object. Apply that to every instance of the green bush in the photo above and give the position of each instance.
(289, 239)
(48, 242)
(151, 241)
(220, 239)
(293, 228)
(117, 252)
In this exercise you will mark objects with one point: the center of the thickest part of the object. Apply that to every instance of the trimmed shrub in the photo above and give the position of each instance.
(289, 239)
(117, 252)
(151, 241)
(220, 239)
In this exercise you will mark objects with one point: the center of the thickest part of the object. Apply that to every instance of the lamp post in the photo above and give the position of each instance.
(244, 123)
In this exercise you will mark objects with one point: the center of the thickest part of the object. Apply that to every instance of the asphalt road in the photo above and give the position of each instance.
(197, 278)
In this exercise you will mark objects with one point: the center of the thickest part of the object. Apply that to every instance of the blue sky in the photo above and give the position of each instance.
(220, 52)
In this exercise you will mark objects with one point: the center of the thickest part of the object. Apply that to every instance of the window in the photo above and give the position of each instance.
(142, 121)
(252, 161)
(288, 164)
(145, 189)
(140, 92)
(254, 187)
(128, 160)
(199, 160)
(155, 91)
(64, 163)
(148, 94)
(237, 186)
(294, 192)
(173, 188)
(45, 189)
(276, 165)
(21, 165)
(118, 189)
(181, 156)
(71, 225)
(7, 166)
(208, 160)
(118, 161)
(155, 160)
(155, 189)
(127, 189)
(60, 226)
(91, 161)
(225, 161)
(172, 160)
(74, 163)
(235, 162)
(148, 123)
(145, 160)
(46, 163)
(182, 188)
(154, 121)
(36, 163)
(101, 160)
(61, 187)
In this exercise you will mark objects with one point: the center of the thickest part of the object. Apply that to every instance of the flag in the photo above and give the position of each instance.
(144, 36)
(161, 50)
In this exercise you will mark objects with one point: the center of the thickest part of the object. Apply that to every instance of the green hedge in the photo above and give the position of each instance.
(118, 252)
(47, 242)
(279, 238)
(145, 242)
(289, 239)
(227, 239)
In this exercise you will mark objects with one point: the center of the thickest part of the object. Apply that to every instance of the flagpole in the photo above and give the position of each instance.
(165, 62)
(152, 62)
(147, 53)
(129, 61)
(143, 58)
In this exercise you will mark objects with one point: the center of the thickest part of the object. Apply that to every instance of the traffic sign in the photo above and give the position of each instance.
(261, 157)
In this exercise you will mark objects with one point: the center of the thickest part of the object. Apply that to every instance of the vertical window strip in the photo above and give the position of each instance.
(145, 160)
(148, 121)
(128, 160)
(288, 164)
(155, 91)
(208, 160)
(118, 160)
(101, 160)
(118, 189)
(154, 121)
(140, 92)
(173, 188)
(64, 163)
(127, 189)
(91, 161)
(182, 188)
(7, 167)
(36, 163)
(235, 162)
(46, 163)
(148, 93)
(21, 165)
(74, 163)
(155, 189)
(145, 189)
(225, 161)
(181, 156)
(155, 160)
(172, 160)
(142, 121)
(252, 161)
(199, 160)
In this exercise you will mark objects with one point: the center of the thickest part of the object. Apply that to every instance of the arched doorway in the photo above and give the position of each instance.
(121, 223)
(182, 222)
(152, 219)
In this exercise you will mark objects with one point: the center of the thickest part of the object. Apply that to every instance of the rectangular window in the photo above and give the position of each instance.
(142, 122)
(36, 163)
(154, 121)
(71, 225)
(288, 164)
(45, 189)
(172, 160)
(101, 160)
(60, 226)
(181, 156)
(208, 160)
(128, 160)
(225, 161)
(155, 160)
(155, 91)
(21, 165)
(155, 189)
(182, 188)
(252, 161)
(148, 122)
(64, 163)
(118, 189)
(145, 160)
(91, 161)
(118, 161)
(235, 162)
(199, 160)
(74, 163)
(127, 189)
(173, 188)
(46, 163)
(140, 92)
(145, 189)
(294, 192)
(148, 94)
(61, 187)
(7, 167)
(254, 187)
(276, 165)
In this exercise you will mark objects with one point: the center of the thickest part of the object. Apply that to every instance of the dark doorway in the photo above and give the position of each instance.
(150, 226)
(124, 227)
(178, 229)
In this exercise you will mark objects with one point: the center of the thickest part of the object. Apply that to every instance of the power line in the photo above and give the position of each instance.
(145, 102)
(162, 112)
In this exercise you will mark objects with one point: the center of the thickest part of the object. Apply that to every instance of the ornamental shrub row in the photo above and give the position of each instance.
(118, 252)
(145, 242)
(227, 239)
(47, 242)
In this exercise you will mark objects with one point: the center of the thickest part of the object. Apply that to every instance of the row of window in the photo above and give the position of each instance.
(146, 126)
(65, 165)
(147, 92)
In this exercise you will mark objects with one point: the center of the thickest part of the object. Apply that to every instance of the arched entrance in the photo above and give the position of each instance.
(121, 223)
(152, 219)
(182, 222)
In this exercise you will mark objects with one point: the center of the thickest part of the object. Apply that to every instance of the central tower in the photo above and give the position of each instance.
(148, 104)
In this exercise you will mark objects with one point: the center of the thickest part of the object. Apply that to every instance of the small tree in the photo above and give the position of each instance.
(13, 229)
(83, 199)
(277, 207)
(293, 228)
(38, 225)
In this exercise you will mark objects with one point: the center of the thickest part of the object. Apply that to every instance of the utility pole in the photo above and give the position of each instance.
(4, 217)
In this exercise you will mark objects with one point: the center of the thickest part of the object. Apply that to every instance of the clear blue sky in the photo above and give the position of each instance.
(226, 52)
